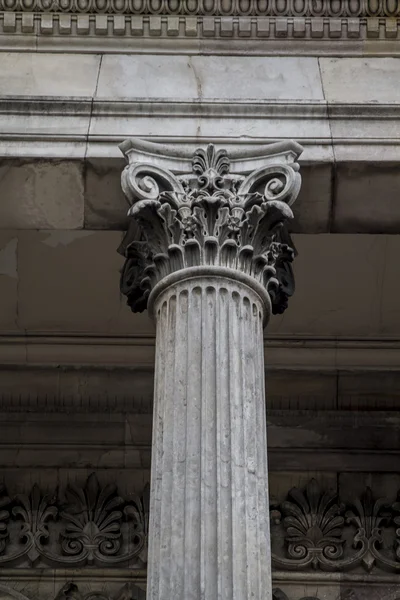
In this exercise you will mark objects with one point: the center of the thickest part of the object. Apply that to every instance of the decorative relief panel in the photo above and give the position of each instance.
(71, 591)
(89, 525)
(261, 8)
(313, 530)
(268, 22)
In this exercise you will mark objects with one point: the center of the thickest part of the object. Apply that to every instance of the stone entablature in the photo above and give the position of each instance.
(251, 26)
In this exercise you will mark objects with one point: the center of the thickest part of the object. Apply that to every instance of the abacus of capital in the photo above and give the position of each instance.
(209, 255)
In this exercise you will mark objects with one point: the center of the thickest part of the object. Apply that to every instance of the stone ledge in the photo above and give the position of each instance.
(283, 353)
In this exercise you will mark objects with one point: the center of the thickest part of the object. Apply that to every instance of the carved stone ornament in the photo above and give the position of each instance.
(129, 591)
(321, 532)
(209, 210)
(93, 526)
(263, 8)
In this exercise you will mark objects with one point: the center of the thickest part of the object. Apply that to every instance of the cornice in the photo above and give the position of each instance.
(122, 30)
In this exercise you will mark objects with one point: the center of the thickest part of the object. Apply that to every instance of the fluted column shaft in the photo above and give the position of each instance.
(209, 517)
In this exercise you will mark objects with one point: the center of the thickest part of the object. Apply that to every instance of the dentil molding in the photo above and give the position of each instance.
(253, 26)
(264, 8)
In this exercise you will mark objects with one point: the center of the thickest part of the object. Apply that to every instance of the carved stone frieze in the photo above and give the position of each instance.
(210, 216)
(89, 525)
(312, 27)
(93, 525)
(321, 532)
(277, 594)
(264, 8)
(72, 591)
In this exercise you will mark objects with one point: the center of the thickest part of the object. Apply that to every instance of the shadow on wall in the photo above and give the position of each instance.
(277, 594)
(129, 591)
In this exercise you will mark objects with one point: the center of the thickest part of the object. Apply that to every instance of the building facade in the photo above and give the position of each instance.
(199, 238)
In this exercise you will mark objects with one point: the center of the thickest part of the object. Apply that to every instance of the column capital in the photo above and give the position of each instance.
(208, 212)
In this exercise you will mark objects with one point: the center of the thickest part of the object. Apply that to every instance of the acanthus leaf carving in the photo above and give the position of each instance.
(210, 217)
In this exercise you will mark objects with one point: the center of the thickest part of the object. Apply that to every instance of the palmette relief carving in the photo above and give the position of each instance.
(323, 533)
(94, 526)
(211, 217)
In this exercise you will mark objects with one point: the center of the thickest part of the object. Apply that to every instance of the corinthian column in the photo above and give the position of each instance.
(211, 264)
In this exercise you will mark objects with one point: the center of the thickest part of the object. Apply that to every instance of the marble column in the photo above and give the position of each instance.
(212, 263)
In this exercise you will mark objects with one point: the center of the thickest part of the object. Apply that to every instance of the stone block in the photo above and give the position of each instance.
(360, 79)
(371, 392)
(41, 194)
(105, 204)
(69, 282)
(8, 282)
(151, 76)
(338, 287)
(313, 206)
(300, 391)
(41, 74)
(390, 307)
(367, 198)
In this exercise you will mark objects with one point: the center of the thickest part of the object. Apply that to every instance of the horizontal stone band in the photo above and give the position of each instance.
(263, 8)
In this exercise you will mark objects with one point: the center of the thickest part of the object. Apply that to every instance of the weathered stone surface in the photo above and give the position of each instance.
(105, 204)
(40, 74)
(357, 185)
(212, 265)
(209, 444)
(68, 281)
(343, 267)
(41, 195)
(8, 281)
(369, 392)
(206, 77)
(360, 79)
(300, 390)
(312, 211)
